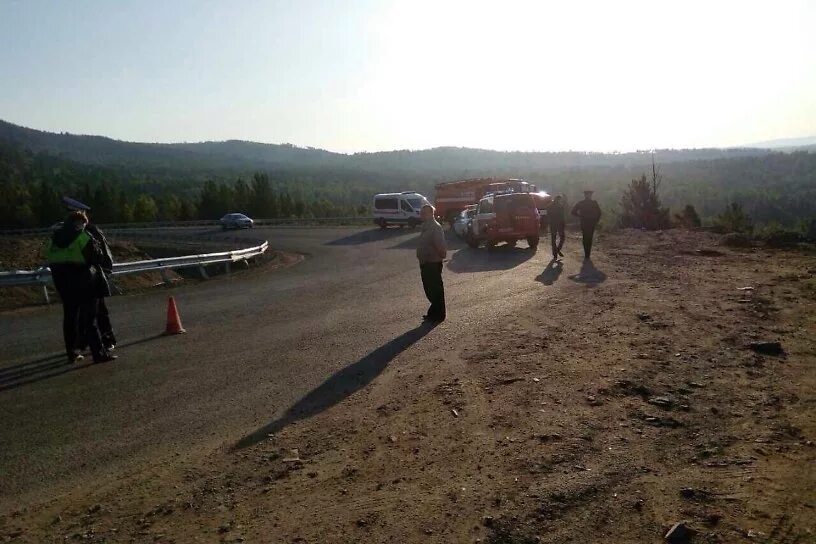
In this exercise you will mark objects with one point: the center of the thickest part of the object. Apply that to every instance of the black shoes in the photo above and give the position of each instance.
(106, 358)
(75, 358)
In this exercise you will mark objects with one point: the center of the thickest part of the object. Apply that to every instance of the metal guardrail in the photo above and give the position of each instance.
(42, 276)
(170, 224)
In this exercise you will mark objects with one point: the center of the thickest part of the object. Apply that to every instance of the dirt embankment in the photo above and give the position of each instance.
(621, 403)
(28, 253)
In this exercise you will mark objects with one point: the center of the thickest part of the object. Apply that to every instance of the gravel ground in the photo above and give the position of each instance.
(580, 403)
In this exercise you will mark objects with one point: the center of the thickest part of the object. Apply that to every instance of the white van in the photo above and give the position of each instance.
(398, 209)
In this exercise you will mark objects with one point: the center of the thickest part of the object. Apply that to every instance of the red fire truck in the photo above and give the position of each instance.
(454, 196)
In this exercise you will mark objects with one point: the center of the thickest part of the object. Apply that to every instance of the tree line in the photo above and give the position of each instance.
(776, 188)
(32, 186)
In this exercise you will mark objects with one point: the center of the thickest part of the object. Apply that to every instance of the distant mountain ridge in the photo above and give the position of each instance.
(786, 143)
(240, 156)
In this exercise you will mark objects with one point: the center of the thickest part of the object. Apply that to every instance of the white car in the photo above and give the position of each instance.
(236, 221)
(462, 223)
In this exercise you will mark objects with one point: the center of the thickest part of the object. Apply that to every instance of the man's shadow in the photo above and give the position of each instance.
(551, 273)
(588, 274)
(342, 384)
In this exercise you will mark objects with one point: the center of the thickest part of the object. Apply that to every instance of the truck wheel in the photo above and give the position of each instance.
(533, 242)
(382, 223)
(490, 244)
(472, 241)
(412, 223)
(511, 243)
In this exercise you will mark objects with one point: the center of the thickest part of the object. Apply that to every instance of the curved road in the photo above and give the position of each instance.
(257, 345)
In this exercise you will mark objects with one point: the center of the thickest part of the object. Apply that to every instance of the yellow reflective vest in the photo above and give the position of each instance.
(70, 254)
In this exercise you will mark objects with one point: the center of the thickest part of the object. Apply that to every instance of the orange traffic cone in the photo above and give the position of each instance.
(173, 319)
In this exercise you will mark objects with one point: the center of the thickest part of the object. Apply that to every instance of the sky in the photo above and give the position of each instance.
(367, 75)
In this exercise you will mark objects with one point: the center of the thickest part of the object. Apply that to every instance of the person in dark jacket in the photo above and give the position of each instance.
(556, 220)
(73, 256)
(102, 288)
(102, 283)
(588, 211)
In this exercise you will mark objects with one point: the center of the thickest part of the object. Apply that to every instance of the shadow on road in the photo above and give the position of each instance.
(51, 366)
(588, 274)
(451, 239)
(501, 257)
(551, 274)
(368, 236)
(340, 385)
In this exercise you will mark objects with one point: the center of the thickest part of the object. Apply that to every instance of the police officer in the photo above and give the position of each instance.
(101, 283)
(73, 256)
(556, 220)
(588, 211)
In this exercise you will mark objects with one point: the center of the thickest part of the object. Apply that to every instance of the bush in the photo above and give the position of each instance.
(641, 207)
(734, 219)
(689, 218)
(776, 236)
(736, 239)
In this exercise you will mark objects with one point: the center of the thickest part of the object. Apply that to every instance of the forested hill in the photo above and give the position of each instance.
(144, 182)
(217, 158)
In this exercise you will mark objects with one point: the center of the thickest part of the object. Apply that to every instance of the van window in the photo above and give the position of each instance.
(385, 203)
(485, 206)
(406, 207)
(416, 203)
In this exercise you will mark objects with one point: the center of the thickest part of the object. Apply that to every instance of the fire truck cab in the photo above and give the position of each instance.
(454, 196)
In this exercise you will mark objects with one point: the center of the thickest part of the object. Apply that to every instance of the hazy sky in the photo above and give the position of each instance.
(374, 75)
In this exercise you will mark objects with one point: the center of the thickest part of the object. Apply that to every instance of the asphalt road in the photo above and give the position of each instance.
(258, 344)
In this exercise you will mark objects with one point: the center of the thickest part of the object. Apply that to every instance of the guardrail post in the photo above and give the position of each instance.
(227, 267)
(203, 272)
(45, 293)
(165, 278)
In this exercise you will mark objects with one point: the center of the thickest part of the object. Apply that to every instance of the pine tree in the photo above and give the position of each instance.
(641, 204)
(734, 219)
(145, 209)
(688, 218)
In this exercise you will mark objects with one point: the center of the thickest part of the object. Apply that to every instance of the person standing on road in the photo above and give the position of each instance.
(72, 256)
(431, 251)
(556, 219)
(102, 287)
(588, 211)
(102, 283)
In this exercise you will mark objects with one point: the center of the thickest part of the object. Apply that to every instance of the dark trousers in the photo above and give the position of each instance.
(557, 230)
(78, 321)
(588, 231)
(434, 289)
(104, 323)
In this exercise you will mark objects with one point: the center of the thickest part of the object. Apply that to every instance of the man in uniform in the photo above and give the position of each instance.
(431, 251)
(101, 283)
(588, 211)
(72, 256)
(556, 220)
